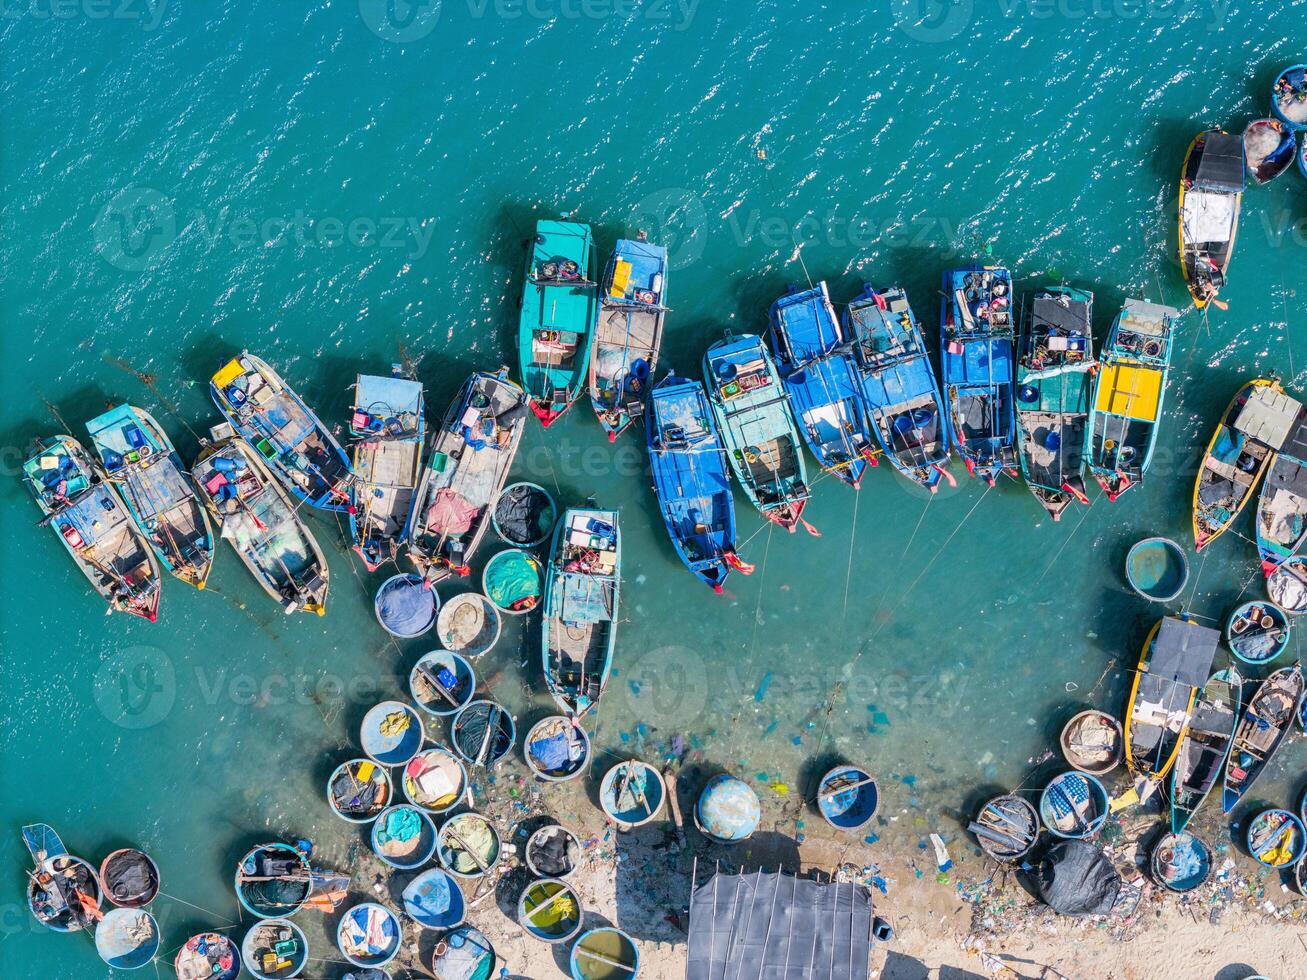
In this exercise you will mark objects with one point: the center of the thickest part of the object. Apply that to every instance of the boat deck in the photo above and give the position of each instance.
(388, 472)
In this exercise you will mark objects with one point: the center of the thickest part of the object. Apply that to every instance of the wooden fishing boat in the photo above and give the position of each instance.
(464, 954)
(1054, 375)
(1092, 741)
(630, 331)
(1255, 425)
(1289, 97)
(757, 428)
(94, 525)
(388, 433)
(976, 337)
(269, 415)
(1277, 838)
(559, 312)
(823, 382)
(63, 891)
(278, 942)
(1287, 585)
(691, 479)
(848, 797)
(581, 601)
(1175, 663)
(470, 459)
(129, 878)
(1282, 505)
(1205, 747)
(1126, 411)
(900, 392)
(257, 517)
(1211, 192)
(1180, 862)
(483, 733)
(1263, 728)
(632, 793)
(1269, 147)
(144, 466)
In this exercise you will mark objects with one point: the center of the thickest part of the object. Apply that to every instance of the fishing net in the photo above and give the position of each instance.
(513, 580)
(483, 732)
(129, 878)
(524, 515)
(406, 606)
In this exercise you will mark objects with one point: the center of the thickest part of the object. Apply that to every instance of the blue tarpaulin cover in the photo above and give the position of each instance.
(406, 606)
(982, 361)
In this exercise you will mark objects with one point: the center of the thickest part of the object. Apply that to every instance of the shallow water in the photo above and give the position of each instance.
(193, 179)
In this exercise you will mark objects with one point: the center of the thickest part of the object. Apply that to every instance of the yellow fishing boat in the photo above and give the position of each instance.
(1211, 193)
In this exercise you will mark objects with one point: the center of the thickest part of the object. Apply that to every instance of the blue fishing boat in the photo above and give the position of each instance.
(629, 333)
(434, 901)
(902, 396)
(94, 525)
(847, 797)
(268, 414)
(127, 939)
(210, 956)
(581, 601)
(273, 880)
(63, 891)
(388, 433)
(976, 336)
(632, 793)
(1126, 412)
(1289, 97)
(470, 458)
(142, 463)
(605, 954)
(691, 479)
(1269, 147)
(1074, 805)
(1263, 728)
(559, 311)
(464, 954)
(1205, 746)
(1302, 157)
(1054, 376)
(754, 419)
(823, 382)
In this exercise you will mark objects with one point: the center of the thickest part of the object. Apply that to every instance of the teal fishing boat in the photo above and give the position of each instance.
(94, 525)
(1053, 381)
(1205, 746)
(269, 415)
(257, 516)
(581, 596)
(629, 333)
(143, 464)
(388, 434)
(902, 396)
(559, 311)
(757, 427)
(470, 458)
(1127, 407)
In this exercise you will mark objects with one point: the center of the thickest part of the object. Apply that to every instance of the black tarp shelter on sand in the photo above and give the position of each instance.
(777, 926)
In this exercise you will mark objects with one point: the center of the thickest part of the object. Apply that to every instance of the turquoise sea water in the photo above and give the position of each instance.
(334, 185)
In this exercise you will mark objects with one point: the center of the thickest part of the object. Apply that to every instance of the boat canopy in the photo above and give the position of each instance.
(807, 324)
(1220, 167)
(586, 599)
(386, 398)
(983, 362)
(770, 924)
(1130, 391)
(1183, 652)
(901, 382)
(637, 274)
(1267, 416)
(1151, 319)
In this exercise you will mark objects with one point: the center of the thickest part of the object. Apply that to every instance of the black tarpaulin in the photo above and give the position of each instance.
(768, 924)
(1076, 878)
(1221, 166)
(1183, 652)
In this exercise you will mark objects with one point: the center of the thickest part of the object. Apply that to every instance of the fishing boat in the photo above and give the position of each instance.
(434, 901)
(1255, 425)
(559, 312)
(1054, 375)
(1269, 147)
(581, 596)
(757, 427)
(632, 793)
(256, 515)
(483, 733)
(1211, 191)
(1180, 862)
(63, 891)
(1264, 726)
(1126, 411)
(1157, 569)
(605, 954)
(1074, 805)
(129, 878)
(387, 432)
(1206, 744)
(275, 949)
(556, 749)
(1092, 741)
(1282, 505)
(823, 382)
(94, 525)
(143, 464)
(464, 954)
(1289, 97)
(900, 393)
(848, 797)
(470, 459)
(1175, 664)
(273, 880)
(1302, 167)
(1277, 838)
(691, 479)
(552, 851)
(976, 337)
(1006, 827)
(208, 956)
(626, 341)
(1257, 632)
(127, 939)
(268, 414)
(550, 910)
